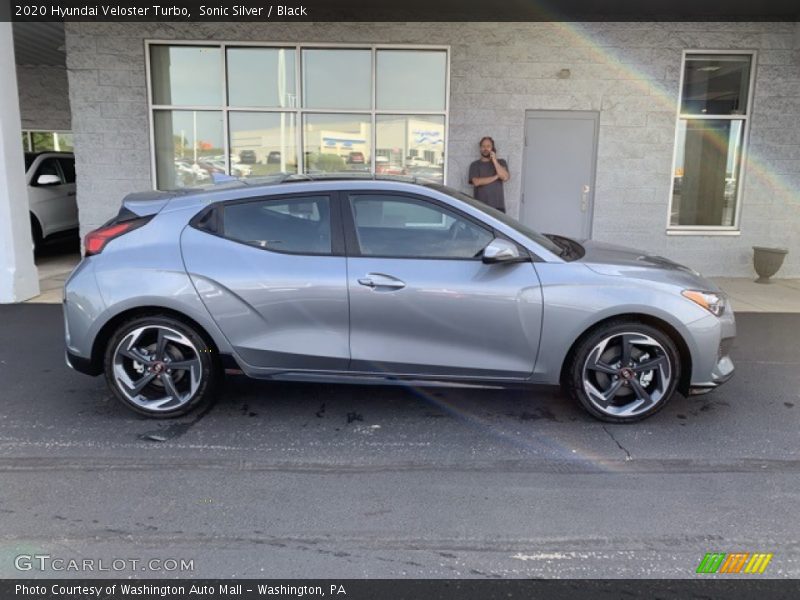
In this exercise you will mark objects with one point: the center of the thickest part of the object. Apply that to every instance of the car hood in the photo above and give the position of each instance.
(612, 259)
(612, 254)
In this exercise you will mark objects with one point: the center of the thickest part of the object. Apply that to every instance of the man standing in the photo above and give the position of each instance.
(488, 174)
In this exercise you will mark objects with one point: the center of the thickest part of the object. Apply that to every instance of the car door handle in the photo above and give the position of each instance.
(378, 280)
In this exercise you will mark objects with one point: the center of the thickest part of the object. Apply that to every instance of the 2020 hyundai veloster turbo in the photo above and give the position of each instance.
(368, 280)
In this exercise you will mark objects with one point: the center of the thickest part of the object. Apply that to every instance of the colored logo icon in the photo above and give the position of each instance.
(737, 562)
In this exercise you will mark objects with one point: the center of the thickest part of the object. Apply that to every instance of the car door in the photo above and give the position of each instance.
(67, 164)
(49, 197)
(422, 302)
(272, 274)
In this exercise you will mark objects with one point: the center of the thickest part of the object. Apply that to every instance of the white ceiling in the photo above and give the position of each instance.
(39, 44)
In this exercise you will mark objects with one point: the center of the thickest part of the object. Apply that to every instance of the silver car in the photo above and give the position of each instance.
(366, 280)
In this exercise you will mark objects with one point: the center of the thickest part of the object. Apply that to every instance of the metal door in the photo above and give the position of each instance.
(559, 172)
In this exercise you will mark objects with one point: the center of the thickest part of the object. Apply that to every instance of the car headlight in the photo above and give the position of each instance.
(711, 301)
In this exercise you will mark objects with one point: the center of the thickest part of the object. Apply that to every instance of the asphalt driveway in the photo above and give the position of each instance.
(298, 480)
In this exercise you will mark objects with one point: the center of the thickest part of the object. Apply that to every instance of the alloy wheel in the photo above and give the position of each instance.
(626, 374)
(157, 368)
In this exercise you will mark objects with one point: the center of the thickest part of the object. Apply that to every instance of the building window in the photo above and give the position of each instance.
(47, 141)
(257, 110)
(712, 125)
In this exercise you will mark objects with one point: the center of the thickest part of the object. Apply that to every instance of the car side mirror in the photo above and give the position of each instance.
(47, 179)
(502, 251)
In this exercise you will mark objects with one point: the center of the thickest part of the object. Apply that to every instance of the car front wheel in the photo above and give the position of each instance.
(160, 367)
(624, 371)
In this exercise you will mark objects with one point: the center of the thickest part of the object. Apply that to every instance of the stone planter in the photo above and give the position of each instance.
(767, 261)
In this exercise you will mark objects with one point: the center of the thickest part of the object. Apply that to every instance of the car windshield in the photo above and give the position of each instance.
(537, 237)
(29, 158)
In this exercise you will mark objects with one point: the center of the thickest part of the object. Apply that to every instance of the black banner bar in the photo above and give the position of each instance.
(399, 10)
(740, 588)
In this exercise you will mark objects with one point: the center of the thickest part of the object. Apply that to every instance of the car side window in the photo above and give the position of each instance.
(68, 168)
(404, 227)
(49, 166)
(295, 225)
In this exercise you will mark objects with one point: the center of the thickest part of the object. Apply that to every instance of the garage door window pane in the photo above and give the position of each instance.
(261, 77)
(262, 143)
(337, 79)
(707, 172)
(336, 143)
(189, 148)
(398, 227)
(411, 80)
(298, 225)
(186, 75)
(715, 85)
(410, 145)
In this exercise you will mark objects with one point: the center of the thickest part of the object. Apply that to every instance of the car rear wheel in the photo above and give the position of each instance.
(624, 371)
(160, 367)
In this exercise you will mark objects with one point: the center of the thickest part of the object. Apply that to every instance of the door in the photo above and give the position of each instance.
(272, 274)
(559, 171)
(67, 164)
(421, 300)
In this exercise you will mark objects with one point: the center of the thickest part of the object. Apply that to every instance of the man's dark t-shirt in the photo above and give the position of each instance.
(491, 194)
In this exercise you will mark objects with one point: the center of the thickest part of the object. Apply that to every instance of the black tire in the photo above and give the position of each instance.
(580, 379)
(36, 234)
(206, 370)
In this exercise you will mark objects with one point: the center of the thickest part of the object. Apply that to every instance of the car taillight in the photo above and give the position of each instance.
(96, 240)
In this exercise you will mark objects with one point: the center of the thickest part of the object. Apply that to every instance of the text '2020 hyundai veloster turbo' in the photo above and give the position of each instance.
(371, 280)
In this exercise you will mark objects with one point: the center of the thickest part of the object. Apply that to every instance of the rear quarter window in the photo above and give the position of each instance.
(297, 225)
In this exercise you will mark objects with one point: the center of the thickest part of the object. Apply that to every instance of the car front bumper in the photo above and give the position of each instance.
(712, 365)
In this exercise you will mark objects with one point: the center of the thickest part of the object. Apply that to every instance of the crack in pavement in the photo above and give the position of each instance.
(616, 441)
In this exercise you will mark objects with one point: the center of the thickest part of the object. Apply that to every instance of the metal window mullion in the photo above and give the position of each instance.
(338, 111)
(300, 134)
(714, 117)
(435, 113)
(446, 140)
(195, 107)
(746, 137)
(150, 114)
(294, 44)
(374, 106)
(259, 109)
(226, 142)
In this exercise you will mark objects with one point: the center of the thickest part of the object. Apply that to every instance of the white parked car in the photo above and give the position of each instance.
(50, 177)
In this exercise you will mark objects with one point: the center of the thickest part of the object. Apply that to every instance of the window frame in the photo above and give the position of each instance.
(351, 234)
(28, 133)
(216, 227)
(735, 228)
(299, 110)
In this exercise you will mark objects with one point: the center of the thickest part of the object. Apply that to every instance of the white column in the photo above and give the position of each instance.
(19, 279)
